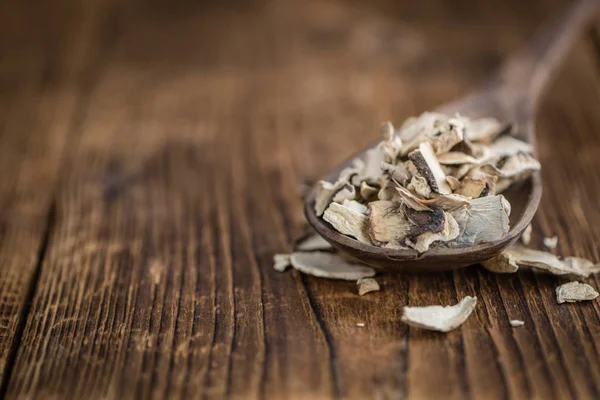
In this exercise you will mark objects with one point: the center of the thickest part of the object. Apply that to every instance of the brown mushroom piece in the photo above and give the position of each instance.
(387, 222)
(425, 161)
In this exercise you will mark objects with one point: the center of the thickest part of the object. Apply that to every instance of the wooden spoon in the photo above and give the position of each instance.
(511, 95)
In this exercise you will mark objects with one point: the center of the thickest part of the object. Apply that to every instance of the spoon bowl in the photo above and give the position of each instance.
(511, 96)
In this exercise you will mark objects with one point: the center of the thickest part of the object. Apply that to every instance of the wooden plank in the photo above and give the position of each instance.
(39, 74)
(157, 280)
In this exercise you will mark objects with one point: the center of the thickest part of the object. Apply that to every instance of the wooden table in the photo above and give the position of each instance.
(151, 158)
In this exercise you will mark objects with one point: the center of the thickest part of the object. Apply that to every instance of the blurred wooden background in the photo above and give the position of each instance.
(151, 155)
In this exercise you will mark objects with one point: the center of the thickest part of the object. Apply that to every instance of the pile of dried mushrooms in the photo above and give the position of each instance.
(436, 181)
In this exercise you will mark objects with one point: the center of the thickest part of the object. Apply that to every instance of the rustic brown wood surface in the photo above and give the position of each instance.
(151, 158)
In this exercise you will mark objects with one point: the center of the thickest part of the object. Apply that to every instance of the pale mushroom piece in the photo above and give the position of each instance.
(509, 146)
(355, 205)
(387, 222)
(366, 285)
(582, 264)
(398, 173)
(281, 262)
(574, 291)
(347, 221)
(448, 233)
(329, 265)
(485, 219)
(471, 188)
(419, 185)
(425, 161)
(573, 267)
(551, 242)
(348, 192)
(392, 142)
(410, 200)
(448, 202)
(312, 242)
(483, 129)
(446, 140)
(439, 318)
(503, 263)
(325, 191)
(456, 158)
(517, 166)
(526, 236)
(516, 322)
(453, 182)
(371, 168)
(417, 126)
(367, 192)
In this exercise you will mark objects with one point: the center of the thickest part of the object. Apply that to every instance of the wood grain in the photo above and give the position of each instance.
(40, 76)
(173, 148)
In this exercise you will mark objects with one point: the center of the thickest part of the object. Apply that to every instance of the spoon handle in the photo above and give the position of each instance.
(520, 83)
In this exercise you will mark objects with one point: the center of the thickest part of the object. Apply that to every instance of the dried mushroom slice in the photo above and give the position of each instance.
(355, 205)
(410, 200)
(329, 265)
(281, 262)
(449, 232)
(419, 185)
(426, 163)
(447, 202)
(456, 158)
(366, 285)
(573, 267)
(450, 135)
(392, 142)
(484, 220)
(526, 236)
(582, 264)
(551, 242)
(387, 222)
(311, 242)
(574, 291)
(371, 167)
(397, 173)
(439, 318)
(347, 192)
(347, 221)
(483, 129)
(509, 146)
(471, 188)
(503, 263)
(453, 182)
(518, 165)
(368, 192)
(415, 129)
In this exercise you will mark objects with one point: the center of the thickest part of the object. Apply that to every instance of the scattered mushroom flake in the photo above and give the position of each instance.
(526, 236)
(329, 265)
(551, 242)
(516, 322)
(503, 263)
(541, 260)
(574, 291)
(433, 183)
(366, 285)
(312, 242)
(281, 262)
(439, 318)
